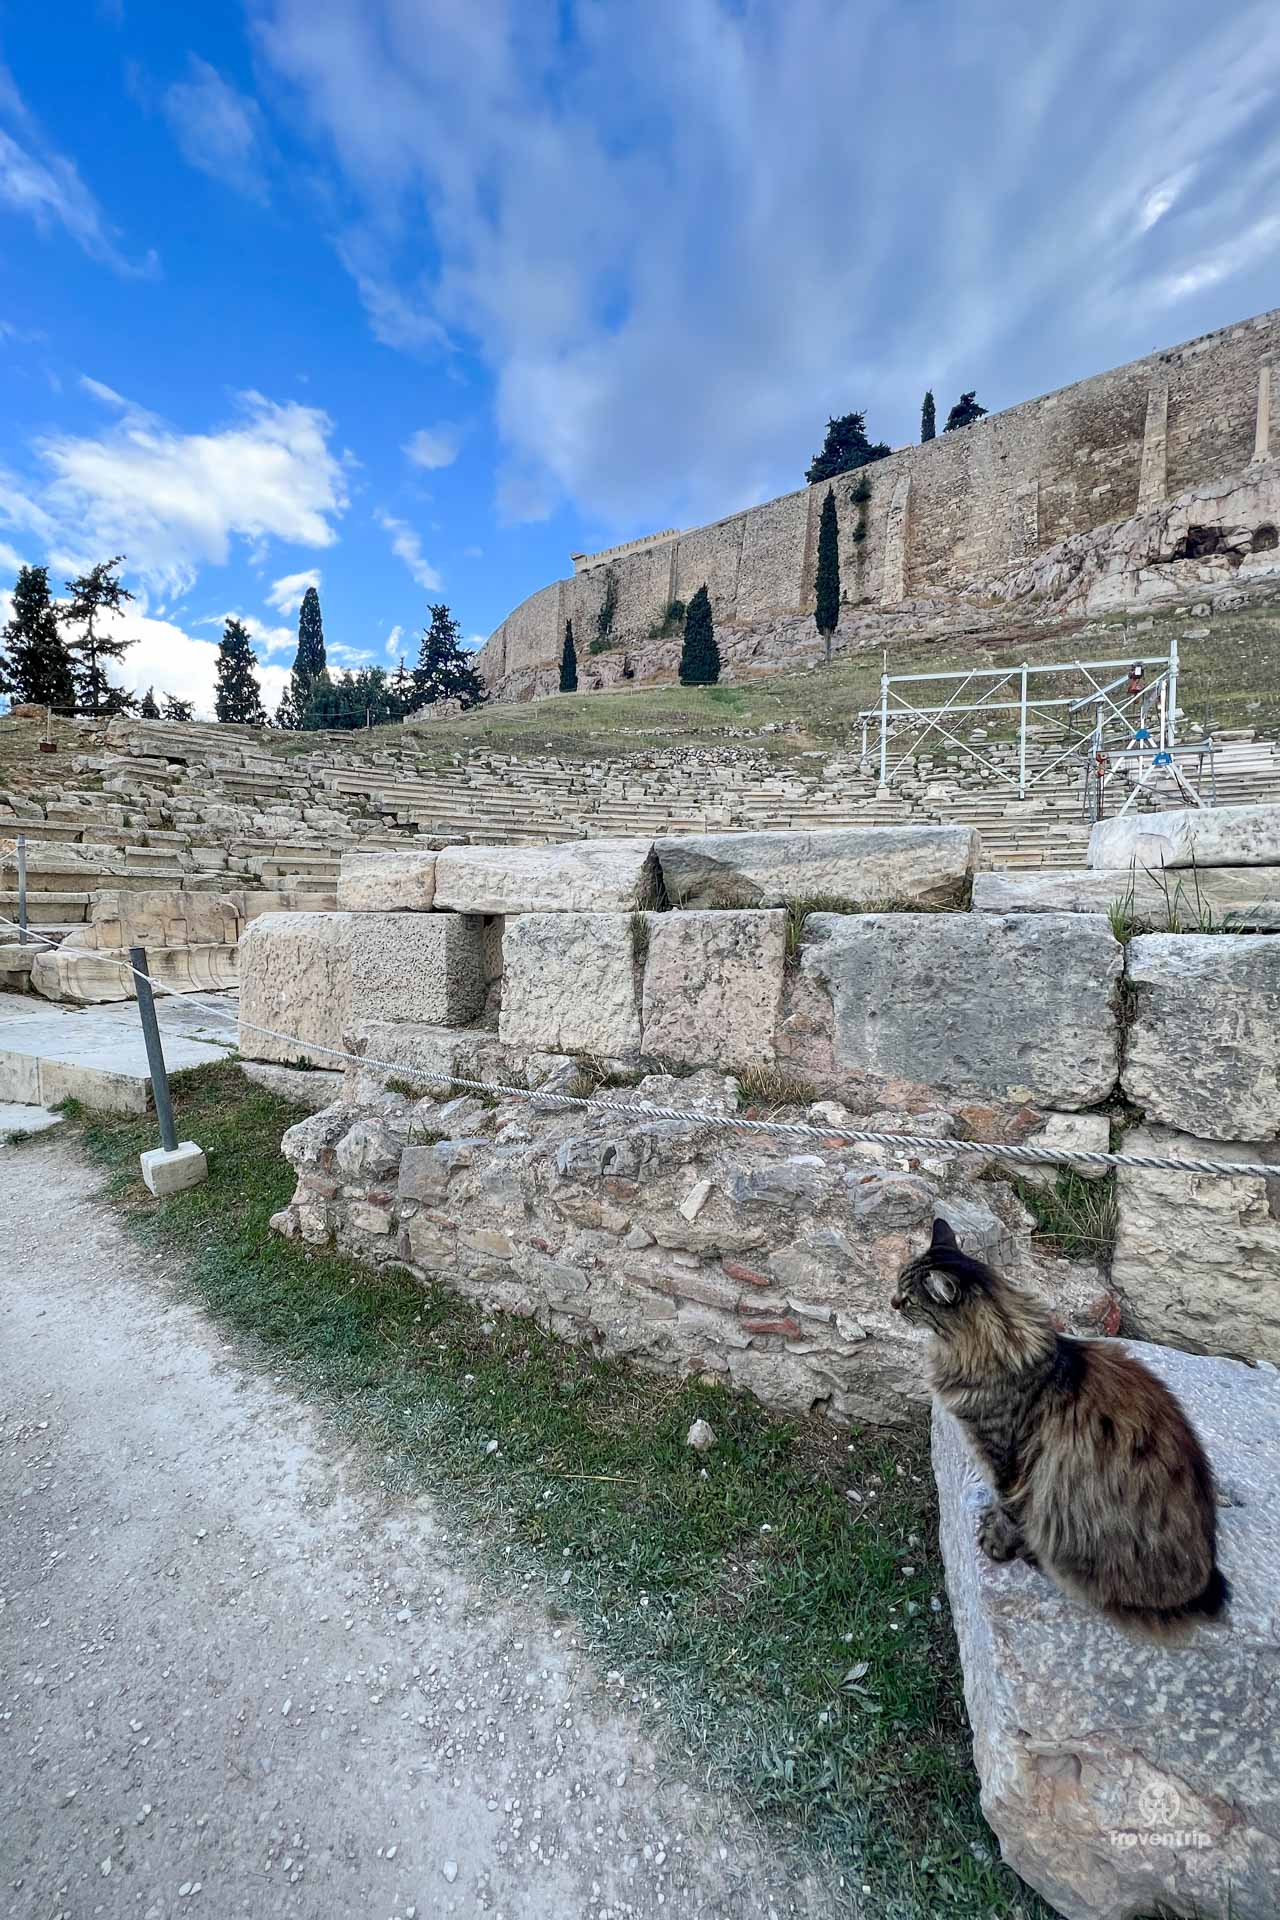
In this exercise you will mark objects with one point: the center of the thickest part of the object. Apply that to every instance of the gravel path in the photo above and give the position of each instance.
(236, 1678)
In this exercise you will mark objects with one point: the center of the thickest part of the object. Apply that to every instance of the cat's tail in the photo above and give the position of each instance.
(1174, 1625)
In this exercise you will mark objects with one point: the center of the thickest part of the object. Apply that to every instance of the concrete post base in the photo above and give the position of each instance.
(166, 1173)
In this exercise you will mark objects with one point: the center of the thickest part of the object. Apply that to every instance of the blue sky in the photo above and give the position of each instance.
(417, 296)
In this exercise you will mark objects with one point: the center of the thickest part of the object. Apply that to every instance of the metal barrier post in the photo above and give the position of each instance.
(22, 889)
(175, 1164)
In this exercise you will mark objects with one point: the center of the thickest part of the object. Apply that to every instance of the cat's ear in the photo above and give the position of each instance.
(943, 1236)
(942, 1288)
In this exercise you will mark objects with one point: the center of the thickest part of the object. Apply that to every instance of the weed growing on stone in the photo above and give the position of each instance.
(1077, 1215)
(773, 1087)
(798, 912)
(777, 1603)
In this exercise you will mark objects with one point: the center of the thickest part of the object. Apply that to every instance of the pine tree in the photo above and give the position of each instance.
(965, 411)
(400, 686)
(149, 710)
(35, 666)
(287, 717)
(845, 447)
(826, 612)
(700, 656)
(92, 596)
(175, 709)
(569, 662)
(309, 661)
(928, 418)
(238, 697)
(444, 670)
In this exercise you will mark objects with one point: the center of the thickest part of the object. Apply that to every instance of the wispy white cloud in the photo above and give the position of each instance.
(433, 447)
(406, 546)
(174, 661)
(741, 255)
(285, 594)
(45, 187)
(266, 638)
(394, 638)
(473, 553)
(218, 129)
(173, 501)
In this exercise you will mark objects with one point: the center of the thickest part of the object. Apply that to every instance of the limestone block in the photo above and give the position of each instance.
(16, 963)
(582, 876)
(164, 917)
(1205, 836)
(295, 976)
(1197, 1256)
(313, 1088)
(569, 984)
(413, 966)
(1019, 1006)
(1123, 1778)
(713, 987)
(387, 881)
(1069, 1133)
(925, 865)
(1203, 1050)
(1223, 890)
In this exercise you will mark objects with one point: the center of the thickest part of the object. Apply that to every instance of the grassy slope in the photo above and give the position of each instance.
(793, 1638)
(1235, 673)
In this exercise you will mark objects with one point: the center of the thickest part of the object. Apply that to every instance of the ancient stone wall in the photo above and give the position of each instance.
(940, 517)
(685, 974)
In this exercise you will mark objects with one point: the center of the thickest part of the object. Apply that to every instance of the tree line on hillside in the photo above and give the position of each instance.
(846, 446)
(699, 653)
(55, 653)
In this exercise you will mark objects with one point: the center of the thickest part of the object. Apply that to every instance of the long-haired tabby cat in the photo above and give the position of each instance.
(1098, 1474)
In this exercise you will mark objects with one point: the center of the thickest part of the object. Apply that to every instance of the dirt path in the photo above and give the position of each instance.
(236, 1678)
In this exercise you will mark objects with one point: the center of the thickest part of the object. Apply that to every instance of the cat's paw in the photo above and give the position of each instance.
(999, 1536)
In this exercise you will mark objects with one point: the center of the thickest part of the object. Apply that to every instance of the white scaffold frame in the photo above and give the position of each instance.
(1133, 729)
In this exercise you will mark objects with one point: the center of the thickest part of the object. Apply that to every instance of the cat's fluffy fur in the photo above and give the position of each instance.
(1099, 1476)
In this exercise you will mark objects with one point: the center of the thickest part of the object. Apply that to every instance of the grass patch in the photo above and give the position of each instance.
(784, 1631)
(772, 1087)
(639, 938)
(1078, 1216)
(798, 912)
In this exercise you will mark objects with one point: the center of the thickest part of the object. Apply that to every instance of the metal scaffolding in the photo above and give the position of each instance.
(1123, 725)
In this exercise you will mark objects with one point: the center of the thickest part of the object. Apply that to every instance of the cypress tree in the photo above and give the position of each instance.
(965, 411)
(309, 661)
(826, 612)
(400, 688)
(700, 656)
(175, 709)
(287, 717)
(444, 670)
(928, 418)
(35, 666)
(568, 662)
(149, 710)
(93, 595)
(238, 697)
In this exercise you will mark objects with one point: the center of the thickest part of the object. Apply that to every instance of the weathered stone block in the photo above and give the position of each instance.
(1019, 1006)
(1203, 1051)
(925, 865)
(1197, 1256)
(583, 876)
(388, 881)
(1122, 1778)
(1200, 836)
(166, 1171)
(413, 966)
(1153, 897)
(713, 986)
(569, 984)
(295, 976)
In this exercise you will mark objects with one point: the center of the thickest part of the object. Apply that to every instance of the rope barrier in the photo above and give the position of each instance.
(800, 1130)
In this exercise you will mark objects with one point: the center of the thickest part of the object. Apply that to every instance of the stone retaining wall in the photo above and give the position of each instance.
(1000, 1024)
(958, 513)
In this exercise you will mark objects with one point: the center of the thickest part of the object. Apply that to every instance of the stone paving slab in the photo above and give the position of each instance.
(97, 1054)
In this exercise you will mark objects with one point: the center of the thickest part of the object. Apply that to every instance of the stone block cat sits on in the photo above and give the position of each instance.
(1099, 1477)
